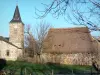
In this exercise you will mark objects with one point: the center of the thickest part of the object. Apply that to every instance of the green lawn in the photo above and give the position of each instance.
(22, 68)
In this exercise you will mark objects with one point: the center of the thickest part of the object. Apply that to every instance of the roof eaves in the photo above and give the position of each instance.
(3, 39)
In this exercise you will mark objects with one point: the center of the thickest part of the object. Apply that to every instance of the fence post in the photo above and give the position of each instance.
(52, 72)
(25, 71)
(72, 71)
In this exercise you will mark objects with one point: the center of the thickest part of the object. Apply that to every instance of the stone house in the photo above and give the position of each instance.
(8, 50)
(70, 46)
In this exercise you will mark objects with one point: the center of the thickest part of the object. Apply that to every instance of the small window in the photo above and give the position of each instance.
(7, 53)
(59, 45)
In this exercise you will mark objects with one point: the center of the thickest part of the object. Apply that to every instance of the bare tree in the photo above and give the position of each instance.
(34, 42)
(78, 12)
(41, 33)
(30, 43)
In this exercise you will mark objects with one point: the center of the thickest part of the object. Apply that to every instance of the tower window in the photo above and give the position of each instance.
(7, 53)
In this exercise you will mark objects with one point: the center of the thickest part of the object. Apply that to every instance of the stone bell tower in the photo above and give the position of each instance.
(17, 29)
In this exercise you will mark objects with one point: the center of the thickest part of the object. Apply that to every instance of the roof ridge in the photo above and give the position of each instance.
(76, 29)
(69, 28)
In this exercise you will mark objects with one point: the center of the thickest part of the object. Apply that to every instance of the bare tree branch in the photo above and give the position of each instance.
(83, 12)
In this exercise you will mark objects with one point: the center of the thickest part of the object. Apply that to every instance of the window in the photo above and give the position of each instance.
(59, 45)
(7, 53)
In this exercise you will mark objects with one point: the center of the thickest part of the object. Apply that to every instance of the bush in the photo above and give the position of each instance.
(2, 63)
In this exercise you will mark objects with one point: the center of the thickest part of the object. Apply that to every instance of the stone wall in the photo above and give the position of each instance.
(17, 34)
(74, 59)
(13, 51)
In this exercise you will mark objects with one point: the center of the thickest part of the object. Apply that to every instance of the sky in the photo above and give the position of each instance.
(28, 16)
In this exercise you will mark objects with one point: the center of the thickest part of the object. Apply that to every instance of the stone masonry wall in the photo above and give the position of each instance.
(13, 51)
(74, 59)
(17, 34)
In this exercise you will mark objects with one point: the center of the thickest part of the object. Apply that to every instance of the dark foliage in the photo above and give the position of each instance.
(96, 66)
(2, 63)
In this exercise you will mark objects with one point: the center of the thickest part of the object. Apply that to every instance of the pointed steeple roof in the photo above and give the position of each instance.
(16, 16)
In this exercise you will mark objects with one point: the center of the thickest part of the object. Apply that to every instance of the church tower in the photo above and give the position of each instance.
(17, 29)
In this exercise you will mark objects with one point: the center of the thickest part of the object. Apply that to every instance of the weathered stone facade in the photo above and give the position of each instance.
(9, 51)
(17, 34)
(75, 59)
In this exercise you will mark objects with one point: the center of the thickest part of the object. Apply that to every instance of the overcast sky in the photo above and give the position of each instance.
(27, 12)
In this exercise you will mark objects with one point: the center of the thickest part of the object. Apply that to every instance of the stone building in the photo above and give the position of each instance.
(70, 46)
(11, 48)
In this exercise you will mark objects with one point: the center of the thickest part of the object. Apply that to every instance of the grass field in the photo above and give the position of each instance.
(26, 68)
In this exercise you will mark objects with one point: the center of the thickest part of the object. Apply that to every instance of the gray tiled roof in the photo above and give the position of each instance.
(16, 16)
